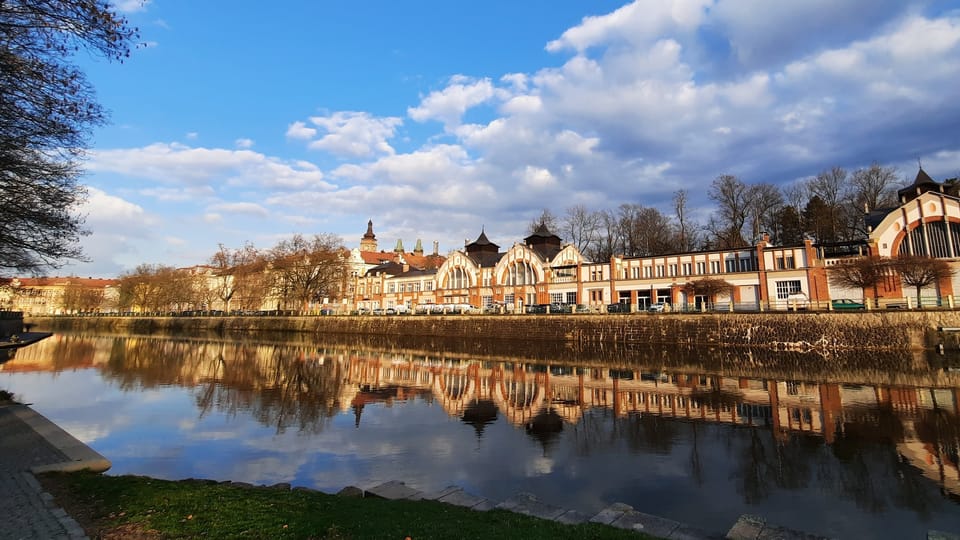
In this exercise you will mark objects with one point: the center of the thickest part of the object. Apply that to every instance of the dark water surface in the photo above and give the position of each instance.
(849, 448)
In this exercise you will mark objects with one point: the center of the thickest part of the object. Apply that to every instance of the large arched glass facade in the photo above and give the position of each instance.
(521, 273)
(935, 239)
(458, 278)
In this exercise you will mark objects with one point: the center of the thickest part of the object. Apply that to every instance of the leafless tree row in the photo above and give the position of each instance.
(828, 208)
(293, 275)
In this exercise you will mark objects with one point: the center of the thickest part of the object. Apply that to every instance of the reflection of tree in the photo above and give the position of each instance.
(279, 385)
(649, 433)
(754, 470)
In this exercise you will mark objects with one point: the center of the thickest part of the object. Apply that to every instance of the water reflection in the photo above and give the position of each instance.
(693, 436)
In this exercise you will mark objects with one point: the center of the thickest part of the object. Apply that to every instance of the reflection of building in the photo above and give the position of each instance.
(305, 384)
(524, 393)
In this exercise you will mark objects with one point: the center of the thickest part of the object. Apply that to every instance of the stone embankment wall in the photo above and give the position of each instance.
(890, 331)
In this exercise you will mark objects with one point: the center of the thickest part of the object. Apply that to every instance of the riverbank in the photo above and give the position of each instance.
(803, 331)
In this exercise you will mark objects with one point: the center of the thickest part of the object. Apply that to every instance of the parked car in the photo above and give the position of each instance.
(846, 303)
(657, 307)
(327, 311)
(581, 308)
(618, 308)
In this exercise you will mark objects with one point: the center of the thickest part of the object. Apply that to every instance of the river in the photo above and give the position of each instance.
(840, 448)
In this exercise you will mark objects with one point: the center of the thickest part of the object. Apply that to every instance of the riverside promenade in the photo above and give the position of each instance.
(30, 444)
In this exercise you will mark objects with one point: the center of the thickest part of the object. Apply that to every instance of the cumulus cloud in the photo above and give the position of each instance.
(350, 134)
(175, 163)
(450, 104)
(299, 130)
(655, 96)
(243, 143)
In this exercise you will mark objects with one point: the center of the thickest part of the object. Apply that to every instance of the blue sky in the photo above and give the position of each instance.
(235, 123)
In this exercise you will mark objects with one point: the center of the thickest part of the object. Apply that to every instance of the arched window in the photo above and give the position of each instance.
(942, 239)
(459, 278)
(520, 273)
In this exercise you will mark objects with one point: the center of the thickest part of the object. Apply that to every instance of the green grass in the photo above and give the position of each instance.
(195, 508)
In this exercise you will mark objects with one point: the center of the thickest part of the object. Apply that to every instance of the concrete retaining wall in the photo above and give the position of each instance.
(892, 331)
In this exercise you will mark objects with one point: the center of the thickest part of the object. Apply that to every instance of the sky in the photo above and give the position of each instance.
(234, 123)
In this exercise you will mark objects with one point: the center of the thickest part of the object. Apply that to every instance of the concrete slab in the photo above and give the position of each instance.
(611, 513)
(442, 493)
(79, 455)
(653, 525)
(527, 504)
(747, 527)
(394, 490)
(572, 517)
(462, 498)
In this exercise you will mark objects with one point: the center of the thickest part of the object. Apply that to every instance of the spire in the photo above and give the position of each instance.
(418, 250)
(399, 247)
(369, 240)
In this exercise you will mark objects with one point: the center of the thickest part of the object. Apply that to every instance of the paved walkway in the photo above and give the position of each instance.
(29, 444)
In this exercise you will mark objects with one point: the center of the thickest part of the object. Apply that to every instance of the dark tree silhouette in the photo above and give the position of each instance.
(47, 109)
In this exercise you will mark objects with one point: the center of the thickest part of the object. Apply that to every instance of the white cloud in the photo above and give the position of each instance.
(635, 23)
(299, 130)
(131, 6)
(450, 104)
(174, 163)
(351, 134)
(244, 143)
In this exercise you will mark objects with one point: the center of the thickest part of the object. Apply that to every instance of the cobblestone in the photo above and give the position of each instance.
(29, 442)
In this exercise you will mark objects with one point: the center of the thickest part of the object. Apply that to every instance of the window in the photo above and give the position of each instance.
(714, 267)
(659, 270)
(508, 299)
(673, 270)
(571, 297)
(636, 272)
(647, 271)
(392, 288)
(731, 265)
(686, 269)
(701, 267)
(429, 286)
(520, 273)
(556, 298)
(786, 288)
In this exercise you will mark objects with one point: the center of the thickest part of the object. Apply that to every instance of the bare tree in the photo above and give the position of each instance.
(708, 287)
(763, 206)
(871, 188)
(608, 241)
(308, 270)
(687, 238)
(546, 219)
(860, 273)
(919, 272)
(78, 297)
(46, 112)
(830, 186)
(580, 227)
(726, 226)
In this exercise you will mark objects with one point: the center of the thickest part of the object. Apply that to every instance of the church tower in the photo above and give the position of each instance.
(369, 240)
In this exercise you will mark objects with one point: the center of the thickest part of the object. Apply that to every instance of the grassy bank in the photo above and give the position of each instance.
(123, 507)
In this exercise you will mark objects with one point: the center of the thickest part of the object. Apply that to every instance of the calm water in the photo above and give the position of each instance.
(852, 452)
